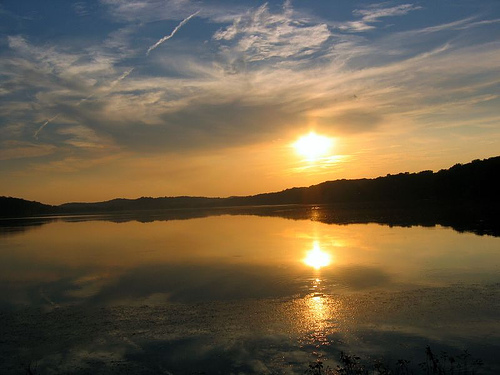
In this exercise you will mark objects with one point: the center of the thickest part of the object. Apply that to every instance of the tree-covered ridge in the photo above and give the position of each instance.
(474, 184)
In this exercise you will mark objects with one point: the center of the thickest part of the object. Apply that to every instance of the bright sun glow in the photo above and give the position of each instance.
(313, 146)
(317, 258)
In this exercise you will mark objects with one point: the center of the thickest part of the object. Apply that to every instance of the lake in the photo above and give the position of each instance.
(246, 293)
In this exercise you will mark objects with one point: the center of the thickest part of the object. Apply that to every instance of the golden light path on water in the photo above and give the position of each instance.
(318, 308)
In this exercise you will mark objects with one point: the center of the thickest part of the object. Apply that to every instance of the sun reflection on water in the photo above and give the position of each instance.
(319, 315)
(316, 257)
(319, 308)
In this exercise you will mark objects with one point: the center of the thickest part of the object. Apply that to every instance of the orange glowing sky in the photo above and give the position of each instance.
(108, 99)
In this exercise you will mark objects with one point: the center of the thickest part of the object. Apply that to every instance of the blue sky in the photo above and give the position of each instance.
(111, 98)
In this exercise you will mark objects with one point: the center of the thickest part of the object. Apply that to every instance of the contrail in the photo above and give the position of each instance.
(84, 99)
(167, 37)
(45, 124)
(111, 85)
(124, 75)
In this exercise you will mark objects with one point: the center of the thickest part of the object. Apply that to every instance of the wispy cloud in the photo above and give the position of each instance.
(261, 35)
(58, 77)
(283, 83)
(147, 10)
(463, 24)
(81, 101)
(264, 74)
(373, 14)
(21, 149)
(81, 9)
(83, 137)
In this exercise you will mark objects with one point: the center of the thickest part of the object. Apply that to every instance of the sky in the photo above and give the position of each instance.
(128, 98)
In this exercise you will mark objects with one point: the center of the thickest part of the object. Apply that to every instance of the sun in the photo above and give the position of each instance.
(313, 146)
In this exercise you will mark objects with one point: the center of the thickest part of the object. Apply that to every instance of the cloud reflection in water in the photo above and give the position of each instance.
(154, 296)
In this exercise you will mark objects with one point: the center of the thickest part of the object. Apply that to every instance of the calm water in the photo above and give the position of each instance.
(240, 294)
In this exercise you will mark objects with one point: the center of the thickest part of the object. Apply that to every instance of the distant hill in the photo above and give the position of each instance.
(475, 183)
(470, 185)
(15, 207)
(144, 203)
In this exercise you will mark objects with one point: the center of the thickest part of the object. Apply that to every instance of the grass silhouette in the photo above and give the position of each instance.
(444, 364)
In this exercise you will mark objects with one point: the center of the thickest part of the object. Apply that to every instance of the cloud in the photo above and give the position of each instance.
(83, 137)
(209, 107)
(19, 150)
(195, 283)
(203, 126)
(373, 14)
(352, 121)
(260, 74)
(59, 77)
(479, 23)
(71, 164)
(376, 11)
(462, 24)
(78, 68)
(361, 277)
(81, 9)
(149, 10)
(261, 35)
